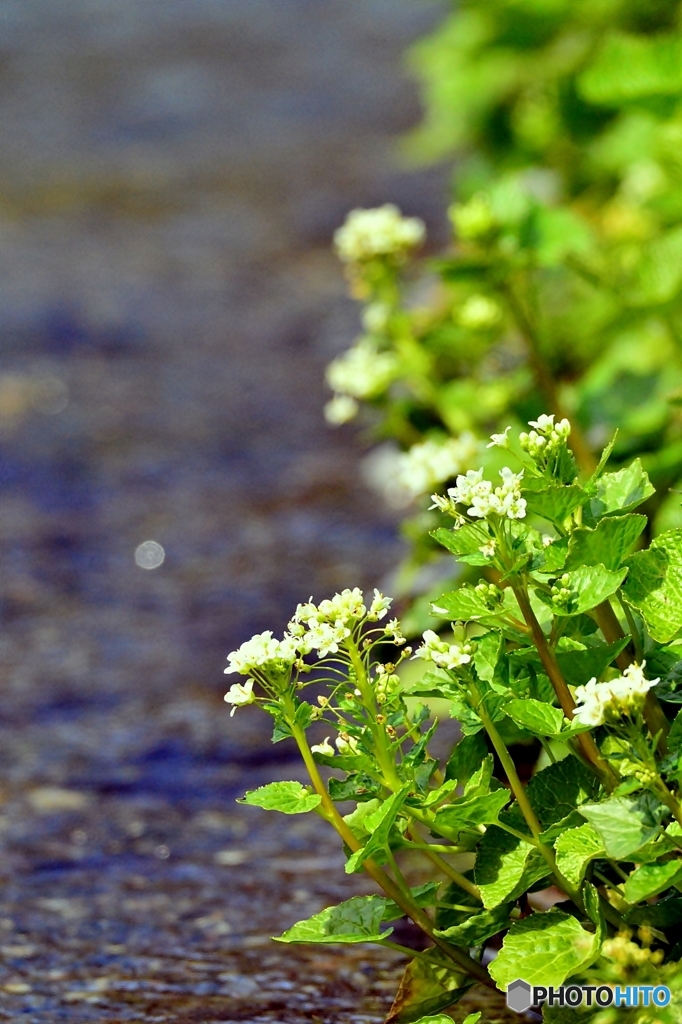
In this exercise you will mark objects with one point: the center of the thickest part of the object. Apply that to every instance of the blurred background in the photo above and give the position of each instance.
(171, 174)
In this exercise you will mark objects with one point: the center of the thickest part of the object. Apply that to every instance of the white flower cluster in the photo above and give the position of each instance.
(362, 371)
(368, 234)
(262, 650)
(483, 499)
(441, 653)
(546, 437)
(262, 653)
(320, 628)
(600, 702)
(324, 627)
(432, 462)
(479, 313)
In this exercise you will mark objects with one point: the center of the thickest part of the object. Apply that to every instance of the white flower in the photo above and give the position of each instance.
(599, 702)
(499, 440)
(340, 409)
(375, 317)
(325, 638)
(240, 694)
(441, 653)
(362, 371)
(433, 461)
(323, 748)
(488, 549)
(478, 494)
(442, 503)
(392, 629)
(544, 424)
(469, 486)
(379, 606)
(546, 437)
(591, 706)
(262, 650)
(346, 744)
(343, 607)
(367, 234)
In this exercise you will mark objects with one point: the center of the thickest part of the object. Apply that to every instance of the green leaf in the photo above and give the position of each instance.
(356, 920)
(355, 787)
(464, 605)
(659, 275)
(442, 1018)
(465, 814)
(287, 797)
(670, 689)
(345, 762)
(651, 879)
(534, 715)
(479, 783)
(488, 655)
(629, 67)
(560, 232)
(654, 585)
(551, 834)
(579, 666)
(560, 788)
(675, 735)
(477, 928)
(379, 823)
(429, 984)
(619, 492)
(554, 503)
(466, 757)
(505, 867)
(589, 586)
(544, 949)
(466, 543)
(574, 849)
(625, 823)
(563, 1015)
(607, 544)
(356, 819)
(664, 913)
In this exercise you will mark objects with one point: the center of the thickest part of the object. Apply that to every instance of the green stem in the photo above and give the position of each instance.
(522, 798)
(632, 626)
(382, 745)
(391, 888)
(437, 848)
(441, 864)
(515, 832)
(407, 951)
(507, 763)
(586, 743)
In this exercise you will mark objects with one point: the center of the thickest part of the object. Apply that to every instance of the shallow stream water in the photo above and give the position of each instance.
(171, 173)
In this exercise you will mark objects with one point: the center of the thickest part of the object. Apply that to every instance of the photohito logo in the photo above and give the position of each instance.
(521, 996)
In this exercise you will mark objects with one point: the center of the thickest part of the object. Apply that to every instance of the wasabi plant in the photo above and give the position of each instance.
(573, 639)
(561, 289)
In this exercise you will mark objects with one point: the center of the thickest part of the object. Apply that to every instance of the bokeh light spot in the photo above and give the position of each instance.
(149, 555)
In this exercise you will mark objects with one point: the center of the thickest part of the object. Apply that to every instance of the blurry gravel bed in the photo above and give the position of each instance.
(170, 177)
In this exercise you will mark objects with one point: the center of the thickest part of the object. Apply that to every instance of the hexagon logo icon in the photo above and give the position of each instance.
(519, 996)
